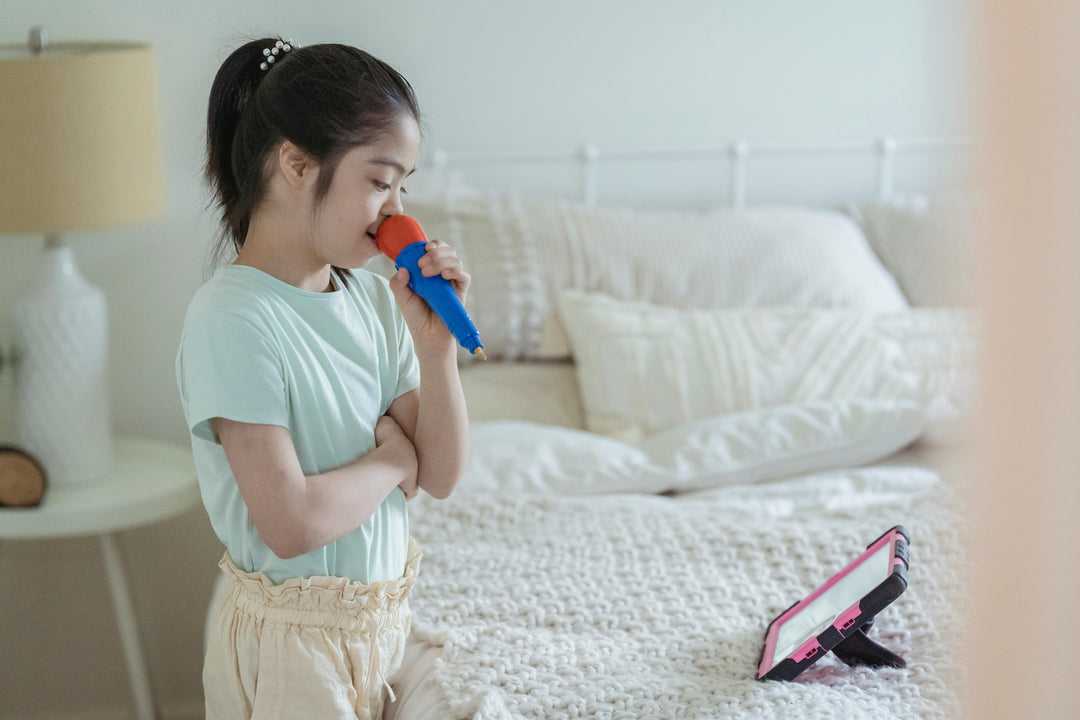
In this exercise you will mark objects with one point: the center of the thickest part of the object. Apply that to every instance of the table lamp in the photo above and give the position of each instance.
(79, 150)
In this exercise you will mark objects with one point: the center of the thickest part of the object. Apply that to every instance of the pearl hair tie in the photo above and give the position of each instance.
(271, 53)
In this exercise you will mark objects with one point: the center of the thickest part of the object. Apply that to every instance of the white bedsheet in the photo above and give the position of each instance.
(641, 606)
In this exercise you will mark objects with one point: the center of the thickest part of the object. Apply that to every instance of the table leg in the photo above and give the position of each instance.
(129, 634)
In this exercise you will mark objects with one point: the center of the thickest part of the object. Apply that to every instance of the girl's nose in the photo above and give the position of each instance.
(393, 205)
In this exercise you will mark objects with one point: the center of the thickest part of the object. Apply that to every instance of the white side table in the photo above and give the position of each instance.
(149, 481)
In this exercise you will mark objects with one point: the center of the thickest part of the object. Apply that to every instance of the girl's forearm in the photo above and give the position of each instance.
(442, 425)
(333, 504)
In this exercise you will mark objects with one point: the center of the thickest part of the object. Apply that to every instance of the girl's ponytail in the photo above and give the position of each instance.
(234, 86)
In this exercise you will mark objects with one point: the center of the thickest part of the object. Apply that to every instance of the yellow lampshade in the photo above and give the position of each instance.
(79, 142)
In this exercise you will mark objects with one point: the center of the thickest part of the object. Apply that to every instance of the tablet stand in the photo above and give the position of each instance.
(858, 649)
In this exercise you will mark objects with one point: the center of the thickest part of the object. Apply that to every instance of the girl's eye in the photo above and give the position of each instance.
(381, 186)
(404, 191)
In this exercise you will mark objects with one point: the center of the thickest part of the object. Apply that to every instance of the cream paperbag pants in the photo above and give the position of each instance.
(321, 647)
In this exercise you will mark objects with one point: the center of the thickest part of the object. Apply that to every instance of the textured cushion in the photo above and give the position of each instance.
(523, 252)
(643, 368)
(930, 245)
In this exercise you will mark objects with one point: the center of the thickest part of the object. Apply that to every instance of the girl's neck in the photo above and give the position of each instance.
(282, 251)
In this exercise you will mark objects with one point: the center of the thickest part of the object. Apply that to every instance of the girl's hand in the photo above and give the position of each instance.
(390, 436)
(427, 329)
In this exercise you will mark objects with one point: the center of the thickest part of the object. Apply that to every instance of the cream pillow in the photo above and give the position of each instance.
(929, 244)
(643, 368)
(537, 392)
(522, 252)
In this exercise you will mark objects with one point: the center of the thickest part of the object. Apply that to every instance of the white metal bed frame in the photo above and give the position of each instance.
(737, 154)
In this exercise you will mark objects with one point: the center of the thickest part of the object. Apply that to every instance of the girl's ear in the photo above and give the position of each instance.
(295, 165)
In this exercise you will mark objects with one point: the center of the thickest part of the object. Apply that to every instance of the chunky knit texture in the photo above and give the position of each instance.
(636, 606)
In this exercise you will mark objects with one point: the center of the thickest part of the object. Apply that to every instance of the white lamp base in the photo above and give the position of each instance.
(62, 383)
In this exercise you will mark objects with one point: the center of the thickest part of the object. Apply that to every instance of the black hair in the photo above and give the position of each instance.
(325, 99)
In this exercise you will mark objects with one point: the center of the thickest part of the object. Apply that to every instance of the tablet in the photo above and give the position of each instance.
(836, 616)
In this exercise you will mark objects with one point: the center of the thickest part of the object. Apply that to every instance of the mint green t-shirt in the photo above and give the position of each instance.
(326, 366)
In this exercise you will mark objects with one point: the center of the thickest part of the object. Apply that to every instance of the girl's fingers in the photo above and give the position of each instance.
(459, 279)
(441, 259)
(448, 270)
(438, 249)
(438, 260)
(399, 281)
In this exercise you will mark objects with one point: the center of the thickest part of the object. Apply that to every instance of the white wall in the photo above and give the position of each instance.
(489, 74)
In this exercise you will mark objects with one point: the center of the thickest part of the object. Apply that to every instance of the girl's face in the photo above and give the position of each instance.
(367, 188)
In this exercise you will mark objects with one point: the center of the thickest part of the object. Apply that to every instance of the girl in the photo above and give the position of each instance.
(319, 398)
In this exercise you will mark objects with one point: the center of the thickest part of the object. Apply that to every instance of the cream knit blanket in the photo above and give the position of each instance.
(637, 606)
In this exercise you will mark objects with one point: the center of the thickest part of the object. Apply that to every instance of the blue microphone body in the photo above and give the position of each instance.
(440, 296)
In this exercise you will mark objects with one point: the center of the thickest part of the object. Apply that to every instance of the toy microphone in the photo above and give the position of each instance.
(401, 239)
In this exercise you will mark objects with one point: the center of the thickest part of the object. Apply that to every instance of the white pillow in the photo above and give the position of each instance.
(522, 252)
(783, 441)
(752, 446)
(930, 245)
(515, 456)
(643, 368)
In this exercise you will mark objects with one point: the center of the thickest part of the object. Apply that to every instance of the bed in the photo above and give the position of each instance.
(691, 419)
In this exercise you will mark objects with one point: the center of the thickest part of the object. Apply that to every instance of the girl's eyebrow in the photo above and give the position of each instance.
(394, 164)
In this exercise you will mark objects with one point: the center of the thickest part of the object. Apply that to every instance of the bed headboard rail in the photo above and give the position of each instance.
(737, 155)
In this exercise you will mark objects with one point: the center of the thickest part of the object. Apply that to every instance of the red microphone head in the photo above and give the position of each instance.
(396, 233)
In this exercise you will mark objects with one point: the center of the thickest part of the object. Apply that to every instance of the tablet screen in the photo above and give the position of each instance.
(823, 611)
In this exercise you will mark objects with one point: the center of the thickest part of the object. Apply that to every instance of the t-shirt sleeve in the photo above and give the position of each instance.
(227, 368)
(408, 370)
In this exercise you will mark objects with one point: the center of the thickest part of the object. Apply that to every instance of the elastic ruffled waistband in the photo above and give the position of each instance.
(325, 601)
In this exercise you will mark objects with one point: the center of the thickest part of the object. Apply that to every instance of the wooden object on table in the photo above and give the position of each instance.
(22, 478)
